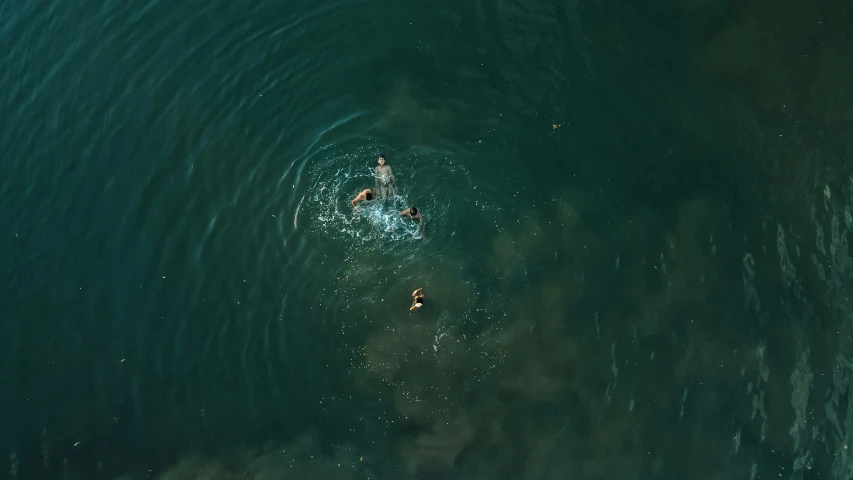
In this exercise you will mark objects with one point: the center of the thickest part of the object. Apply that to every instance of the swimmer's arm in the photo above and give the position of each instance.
(405, 212)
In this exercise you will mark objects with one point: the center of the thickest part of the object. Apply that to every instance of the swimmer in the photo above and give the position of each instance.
(385, 182)
(418, 296)
(412, 213)
(367, 194)
(415, 215)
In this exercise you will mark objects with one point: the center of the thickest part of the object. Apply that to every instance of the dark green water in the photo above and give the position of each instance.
(637, 257)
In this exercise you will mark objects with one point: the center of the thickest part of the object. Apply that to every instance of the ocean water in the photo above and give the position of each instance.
(636, 251)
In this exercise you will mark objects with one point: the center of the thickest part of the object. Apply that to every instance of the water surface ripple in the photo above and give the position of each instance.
(635, 243)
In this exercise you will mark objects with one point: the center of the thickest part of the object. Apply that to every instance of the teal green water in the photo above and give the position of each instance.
(636, 260)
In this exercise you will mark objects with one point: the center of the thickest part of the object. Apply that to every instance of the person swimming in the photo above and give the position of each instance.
(385, 183)
(418, 299)
(413, 213)
(365, 195)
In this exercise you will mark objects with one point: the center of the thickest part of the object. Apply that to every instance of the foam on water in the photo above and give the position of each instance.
(376, 225)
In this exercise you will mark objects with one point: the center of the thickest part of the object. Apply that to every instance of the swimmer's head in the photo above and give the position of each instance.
(414, 210)
(369, 196)
(381, 159)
